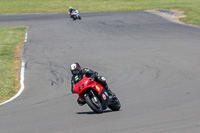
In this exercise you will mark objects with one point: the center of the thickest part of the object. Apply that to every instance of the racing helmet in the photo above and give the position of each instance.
(70, 7)
(75, 68)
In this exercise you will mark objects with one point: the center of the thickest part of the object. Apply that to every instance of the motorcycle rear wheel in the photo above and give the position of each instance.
(115, 104)
(95, 106)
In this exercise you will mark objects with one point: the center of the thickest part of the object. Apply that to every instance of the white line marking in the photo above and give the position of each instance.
(21, 78)
(26, 37)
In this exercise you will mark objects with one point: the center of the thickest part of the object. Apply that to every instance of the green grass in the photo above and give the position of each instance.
(190, 7)
(10, 39)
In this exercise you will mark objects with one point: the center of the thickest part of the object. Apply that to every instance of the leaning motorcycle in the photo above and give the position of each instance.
(94, 94)
(75, 15)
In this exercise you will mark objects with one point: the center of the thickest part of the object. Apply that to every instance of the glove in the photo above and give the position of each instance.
(96, 74)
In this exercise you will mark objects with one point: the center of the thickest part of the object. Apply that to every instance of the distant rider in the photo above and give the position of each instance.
(71, 10)
(76, 68)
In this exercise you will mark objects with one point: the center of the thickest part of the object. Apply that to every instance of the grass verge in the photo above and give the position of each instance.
(190, 7)
(11, 40)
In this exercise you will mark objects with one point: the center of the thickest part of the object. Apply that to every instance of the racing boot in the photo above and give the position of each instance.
(110, 93)
(80, 102)
(103, 82)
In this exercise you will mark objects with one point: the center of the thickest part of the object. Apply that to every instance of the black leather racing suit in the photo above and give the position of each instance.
(71, 10)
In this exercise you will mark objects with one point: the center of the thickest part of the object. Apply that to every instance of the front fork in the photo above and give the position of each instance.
(95, 98)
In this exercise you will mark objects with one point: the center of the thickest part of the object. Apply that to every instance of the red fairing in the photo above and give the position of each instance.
(86, 83)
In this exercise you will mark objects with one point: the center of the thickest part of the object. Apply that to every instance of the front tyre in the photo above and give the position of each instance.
(94, 103)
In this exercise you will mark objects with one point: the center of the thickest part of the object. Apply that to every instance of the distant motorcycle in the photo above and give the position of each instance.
(75, 15)
(94, 94)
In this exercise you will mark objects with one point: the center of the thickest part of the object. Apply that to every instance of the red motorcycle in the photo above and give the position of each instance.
(94, 94)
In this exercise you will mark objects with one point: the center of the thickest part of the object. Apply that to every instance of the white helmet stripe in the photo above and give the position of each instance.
(73, 66)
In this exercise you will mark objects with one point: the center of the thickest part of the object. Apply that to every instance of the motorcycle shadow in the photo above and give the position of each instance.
(92, 112)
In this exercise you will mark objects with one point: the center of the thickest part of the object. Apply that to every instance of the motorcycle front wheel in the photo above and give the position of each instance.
(94, 103)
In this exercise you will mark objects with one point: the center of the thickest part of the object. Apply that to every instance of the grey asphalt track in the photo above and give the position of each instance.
(153, 65)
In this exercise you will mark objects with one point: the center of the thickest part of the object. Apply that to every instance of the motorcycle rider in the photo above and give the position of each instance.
(76, 68)
(70, 10)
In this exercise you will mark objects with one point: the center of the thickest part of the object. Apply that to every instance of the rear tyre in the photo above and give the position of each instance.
(79, 17)
(115, 104)
(74, 17)
(95, 105)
